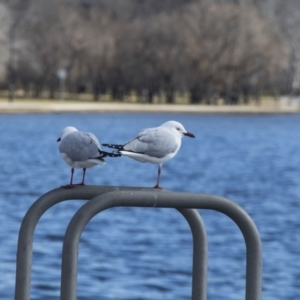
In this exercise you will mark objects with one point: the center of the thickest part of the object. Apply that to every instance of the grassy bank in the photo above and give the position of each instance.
(267, 105)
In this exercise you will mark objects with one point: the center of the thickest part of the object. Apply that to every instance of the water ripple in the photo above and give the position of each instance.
(135, 253)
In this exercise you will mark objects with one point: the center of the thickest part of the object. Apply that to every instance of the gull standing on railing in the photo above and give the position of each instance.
(154, 145)
(81, 150)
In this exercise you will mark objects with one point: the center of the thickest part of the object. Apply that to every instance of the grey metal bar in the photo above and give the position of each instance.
(69, 269)
(38, 208)
(199, 278)
(154, 199)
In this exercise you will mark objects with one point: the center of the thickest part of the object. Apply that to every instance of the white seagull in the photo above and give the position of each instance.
(154, 145)
(81, 150)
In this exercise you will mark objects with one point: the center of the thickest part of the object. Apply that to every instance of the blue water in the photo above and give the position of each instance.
(135, 253)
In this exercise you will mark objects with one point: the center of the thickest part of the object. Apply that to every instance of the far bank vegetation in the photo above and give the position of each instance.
(151, 51)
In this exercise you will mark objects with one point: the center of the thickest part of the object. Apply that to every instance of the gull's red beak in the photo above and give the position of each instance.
(58, 140)
(189, 134)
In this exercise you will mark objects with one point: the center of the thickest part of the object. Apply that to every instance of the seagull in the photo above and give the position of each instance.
(81, 150)
(154, 145)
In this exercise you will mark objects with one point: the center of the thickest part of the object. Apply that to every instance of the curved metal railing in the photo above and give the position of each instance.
(103, 197)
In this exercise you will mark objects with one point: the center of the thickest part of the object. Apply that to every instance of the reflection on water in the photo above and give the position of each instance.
(135, 253)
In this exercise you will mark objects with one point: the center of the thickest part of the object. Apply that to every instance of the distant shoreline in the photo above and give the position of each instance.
(20, 106)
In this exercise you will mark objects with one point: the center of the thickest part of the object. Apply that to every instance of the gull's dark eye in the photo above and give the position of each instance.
(178, 128)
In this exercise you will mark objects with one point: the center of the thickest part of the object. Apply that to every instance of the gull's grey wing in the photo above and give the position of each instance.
(155, 142)
(94, 139)
(79, 146)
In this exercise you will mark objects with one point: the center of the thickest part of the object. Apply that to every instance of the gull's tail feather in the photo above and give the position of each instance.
(118, 147)
(109, 154)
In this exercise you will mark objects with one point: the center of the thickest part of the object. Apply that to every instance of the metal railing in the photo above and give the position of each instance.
(103, 197)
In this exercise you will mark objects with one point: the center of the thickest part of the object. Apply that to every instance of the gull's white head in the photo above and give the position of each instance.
(177, 128)
(66, 131)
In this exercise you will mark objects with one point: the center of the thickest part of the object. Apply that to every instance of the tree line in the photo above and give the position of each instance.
(235, 50)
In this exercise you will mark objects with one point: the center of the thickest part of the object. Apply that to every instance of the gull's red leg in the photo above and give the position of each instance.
(83, 176)
(69, 186)
(158, 177)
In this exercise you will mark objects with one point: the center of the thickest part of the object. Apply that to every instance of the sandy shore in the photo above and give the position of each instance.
(21, 106)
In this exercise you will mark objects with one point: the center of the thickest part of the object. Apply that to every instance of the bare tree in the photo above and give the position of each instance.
(4, 40)
(51, 43)
(208, 48)
(18, 11)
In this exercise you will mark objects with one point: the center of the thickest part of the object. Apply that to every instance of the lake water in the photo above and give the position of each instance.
(135, 253)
